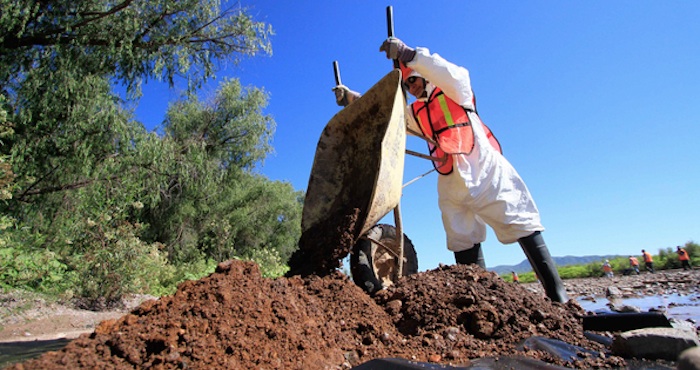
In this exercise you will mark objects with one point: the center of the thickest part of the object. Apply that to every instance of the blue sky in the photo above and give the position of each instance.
(596, 104)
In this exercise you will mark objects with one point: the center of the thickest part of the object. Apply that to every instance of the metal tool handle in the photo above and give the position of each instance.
(390, 21)
(390, 27)
(397, 209)
(336, 71)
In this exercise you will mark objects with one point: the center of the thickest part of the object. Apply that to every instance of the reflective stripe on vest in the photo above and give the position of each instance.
(447, 122)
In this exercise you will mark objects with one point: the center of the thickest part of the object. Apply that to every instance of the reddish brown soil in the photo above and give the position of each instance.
(236, 319)
(325, 244)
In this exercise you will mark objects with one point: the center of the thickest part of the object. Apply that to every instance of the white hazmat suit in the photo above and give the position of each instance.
(483, 187)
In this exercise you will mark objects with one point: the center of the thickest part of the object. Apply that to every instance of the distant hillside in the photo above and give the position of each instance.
(524, 266)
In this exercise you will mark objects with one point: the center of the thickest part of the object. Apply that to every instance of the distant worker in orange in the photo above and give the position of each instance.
(516, 279)
(648, 261)
(607, 269)
(634, 264)
(684, 258)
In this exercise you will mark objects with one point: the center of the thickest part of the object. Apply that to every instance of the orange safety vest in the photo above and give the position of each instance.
(447, 122)
(633, 261)
(683, 255)
(647, 257)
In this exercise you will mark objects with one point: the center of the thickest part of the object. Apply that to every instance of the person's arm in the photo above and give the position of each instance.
(451, 78)
(344, 96)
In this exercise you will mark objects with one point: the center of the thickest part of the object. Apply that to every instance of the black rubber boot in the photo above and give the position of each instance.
(538, 255)
(472, 256)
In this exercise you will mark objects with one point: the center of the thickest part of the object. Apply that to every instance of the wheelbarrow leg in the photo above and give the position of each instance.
(399, 241)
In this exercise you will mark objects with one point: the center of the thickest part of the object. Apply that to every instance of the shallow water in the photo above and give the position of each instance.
(14, 352)
(678, 306)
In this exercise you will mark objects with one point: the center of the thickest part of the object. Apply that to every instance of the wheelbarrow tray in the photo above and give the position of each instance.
(356, 178)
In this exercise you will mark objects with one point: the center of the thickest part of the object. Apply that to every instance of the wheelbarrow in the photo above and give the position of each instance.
(356, 180)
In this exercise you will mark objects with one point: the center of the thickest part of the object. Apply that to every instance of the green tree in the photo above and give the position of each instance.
(216, 206)
(86, 179)
(128, 40)
(57, 59)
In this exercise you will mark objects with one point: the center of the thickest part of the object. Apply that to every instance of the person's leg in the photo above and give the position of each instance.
(538, 255)
(505, 204)
(464, 230)
(472, 256)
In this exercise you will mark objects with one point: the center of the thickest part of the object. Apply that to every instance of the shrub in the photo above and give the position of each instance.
(270, 262)
(26, 264)
(112, 261)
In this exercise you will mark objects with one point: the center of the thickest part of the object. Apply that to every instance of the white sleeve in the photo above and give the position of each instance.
(451, 78)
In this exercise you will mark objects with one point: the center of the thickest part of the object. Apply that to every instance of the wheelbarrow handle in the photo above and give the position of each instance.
(336, 72)
(390, 21)
(390, 27)
(397, 209)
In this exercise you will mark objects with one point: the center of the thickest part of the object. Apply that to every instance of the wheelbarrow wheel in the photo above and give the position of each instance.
(372, 266)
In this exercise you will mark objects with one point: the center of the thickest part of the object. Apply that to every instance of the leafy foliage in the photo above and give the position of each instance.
(90, 202)
(110, 260)
(129, 40)
(213, 205)
(38, 270)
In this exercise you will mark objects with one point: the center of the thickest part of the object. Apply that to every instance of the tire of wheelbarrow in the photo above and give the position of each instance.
(371, 266)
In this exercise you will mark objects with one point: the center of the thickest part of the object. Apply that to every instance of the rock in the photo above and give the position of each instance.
(689, 359)
(659, 309)
(683, 325)
(612, 291)
(624, 308)
(654, 343)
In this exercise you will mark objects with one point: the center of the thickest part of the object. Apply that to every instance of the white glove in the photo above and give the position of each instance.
(345, 96)
(396, 49)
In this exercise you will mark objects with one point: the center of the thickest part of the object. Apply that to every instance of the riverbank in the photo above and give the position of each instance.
(28, 317)
(666, 282)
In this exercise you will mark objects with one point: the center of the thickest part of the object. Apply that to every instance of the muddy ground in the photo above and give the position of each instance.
(27, 317)
(236, 319)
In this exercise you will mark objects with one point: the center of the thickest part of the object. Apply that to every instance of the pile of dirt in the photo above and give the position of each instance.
(236, 319)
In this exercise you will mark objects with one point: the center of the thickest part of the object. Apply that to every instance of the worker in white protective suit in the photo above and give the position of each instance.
(477, 185)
